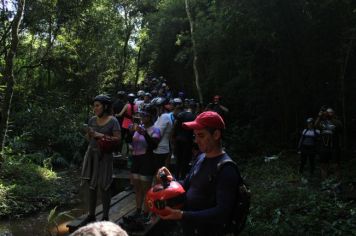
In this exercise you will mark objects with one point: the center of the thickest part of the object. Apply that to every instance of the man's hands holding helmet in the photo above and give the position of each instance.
(174, 214)
(166, 172)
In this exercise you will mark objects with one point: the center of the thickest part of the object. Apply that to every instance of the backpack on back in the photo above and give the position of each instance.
(242, 203)
(241, 208)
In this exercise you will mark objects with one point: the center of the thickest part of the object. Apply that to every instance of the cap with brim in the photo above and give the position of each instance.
(208, 119)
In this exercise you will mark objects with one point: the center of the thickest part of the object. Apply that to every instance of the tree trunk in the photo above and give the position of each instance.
(349, 47)
(123, 62)
(9, 75)
(195, 54)
(48, 47)
(138, 67)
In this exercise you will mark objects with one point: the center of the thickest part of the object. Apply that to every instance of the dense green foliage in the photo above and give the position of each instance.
(26, 188)
(275, 63)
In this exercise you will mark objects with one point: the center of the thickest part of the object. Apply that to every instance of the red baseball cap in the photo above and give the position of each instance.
(207, 119)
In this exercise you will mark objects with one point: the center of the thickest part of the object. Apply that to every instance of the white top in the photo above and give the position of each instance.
(310, 136)
(164, 123)
(139, 104)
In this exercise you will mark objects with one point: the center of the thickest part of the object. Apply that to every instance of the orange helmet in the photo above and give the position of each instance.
(170, 194)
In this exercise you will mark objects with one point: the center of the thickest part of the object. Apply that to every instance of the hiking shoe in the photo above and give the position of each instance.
(144, 220)
(129, 219)
(87, 220)
(132, 226)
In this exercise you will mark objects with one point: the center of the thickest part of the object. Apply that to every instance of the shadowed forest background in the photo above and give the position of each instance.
(274, 62)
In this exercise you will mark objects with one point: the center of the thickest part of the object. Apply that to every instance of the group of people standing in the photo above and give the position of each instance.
(321, 137)
(151, 125)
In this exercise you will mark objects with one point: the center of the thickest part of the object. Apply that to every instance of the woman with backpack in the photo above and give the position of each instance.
(307, 146)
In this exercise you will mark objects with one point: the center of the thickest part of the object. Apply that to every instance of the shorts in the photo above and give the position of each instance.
(142, 167)
(160, 160)
(329, 155)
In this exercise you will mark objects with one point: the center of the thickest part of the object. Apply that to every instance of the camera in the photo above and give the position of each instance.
(136, 120)
(323, 108)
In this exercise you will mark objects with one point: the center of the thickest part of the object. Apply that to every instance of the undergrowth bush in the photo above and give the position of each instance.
(27, 187)
(286, 203)
(49, 130)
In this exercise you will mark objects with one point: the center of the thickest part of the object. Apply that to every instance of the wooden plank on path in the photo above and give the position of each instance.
(73, 225)
(121, 208)
(122, 204)
(121, 174)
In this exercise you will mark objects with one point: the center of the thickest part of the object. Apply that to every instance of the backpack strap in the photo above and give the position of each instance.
(194, 170)
(225, 162)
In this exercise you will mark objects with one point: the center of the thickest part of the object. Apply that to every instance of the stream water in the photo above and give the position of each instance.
(36, 224)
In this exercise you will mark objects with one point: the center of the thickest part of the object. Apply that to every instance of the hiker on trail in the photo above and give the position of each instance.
(210, 196)
(181, 95)
(140, 100)
(168, 92)
(147, 99)
(145, 138)
(307, 146)
(97, 168)
(182, 140)
(117, 107)
(330, 130)
(161, 155)
(127, 113)
(217, 107)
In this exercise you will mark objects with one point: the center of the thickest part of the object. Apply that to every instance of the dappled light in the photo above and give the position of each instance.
(96, 96)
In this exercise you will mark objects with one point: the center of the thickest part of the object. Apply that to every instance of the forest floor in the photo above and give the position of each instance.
(283, 201)
(287, 203)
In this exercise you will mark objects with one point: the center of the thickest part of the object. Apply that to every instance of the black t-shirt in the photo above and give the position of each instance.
(216, 107)
(117, 106)
(180, 132)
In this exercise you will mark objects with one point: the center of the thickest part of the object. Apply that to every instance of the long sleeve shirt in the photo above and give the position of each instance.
(210, 196)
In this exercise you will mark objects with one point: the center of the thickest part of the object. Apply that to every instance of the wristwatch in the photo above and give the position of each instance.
(182, 214)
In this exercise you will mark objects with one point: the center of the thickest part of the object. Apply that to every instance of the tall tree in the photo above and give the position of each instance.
(9, 74)
(195, 53)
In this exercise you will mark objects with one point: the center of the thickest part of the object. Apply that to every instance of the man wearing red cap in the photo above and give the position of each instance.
(210, 195)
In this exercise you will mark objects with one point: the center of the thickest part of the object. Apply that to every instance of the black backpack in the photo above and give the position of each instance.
(241, 210)
(242, 204)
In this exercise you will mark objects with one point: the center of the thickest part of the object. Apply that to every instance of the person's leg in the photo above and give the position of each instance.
(312, 163)
(337, 160)
(92, 201)
(303, 159)
(138, 194)
(135, 173)
(324, 163)
(91, 208)
(106, 198)
(145, 182)
(146, 176)
(124, 133)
